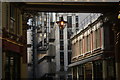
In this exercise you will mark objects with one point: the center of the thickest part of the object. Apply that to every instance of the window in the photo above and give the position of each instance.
(69, 57)
(87, 41)
(73, 50)
(94, 39)
(98, 71)
(62, 58)
(7, 7)
(77, 21)
(98, 38)
(77, 48)
(18, 22)
(111, 68)
(81, 72)
(62, 61)
(61, 47)
(68, 35)
(12, 11)
(61, 34)
(69, 41)
(12, 66)
(88, 71)
(69, 20)
(80, 46)
(83, 42)
(12, 24)
(61, 43)
(69, 47)
(74, 73)
(12, 18)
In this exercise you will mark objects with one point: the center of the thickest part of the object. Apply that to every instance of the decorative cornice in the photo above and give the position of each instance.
(11, 41)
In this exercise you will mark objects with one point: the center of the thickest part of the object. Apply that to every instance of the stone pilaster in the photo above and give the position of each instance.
(104, 70)
(116, 29)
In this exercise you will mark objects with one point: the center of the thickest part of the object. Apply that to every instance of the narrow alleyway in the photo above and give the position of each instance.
(60, 41)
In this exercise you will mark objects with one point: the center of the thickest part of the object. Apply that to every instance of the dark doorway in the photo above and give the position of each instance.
(88, 71)
(97, 65)
(12, 67)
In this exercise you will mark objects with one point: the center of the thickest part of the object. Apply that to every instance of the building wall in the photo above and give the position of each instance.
(29, 48)
(63, 50)
(45, 40)
(87, 41)
(24, 70)
(13, 39)
(87, 47)
(57, 43)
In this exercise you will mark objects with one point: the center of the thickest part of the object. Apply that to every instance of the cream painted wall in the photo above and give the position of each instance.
(24, 72)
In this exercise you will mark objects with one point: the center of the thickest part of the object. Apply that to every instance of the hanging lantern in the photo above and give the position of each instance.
(61, 23)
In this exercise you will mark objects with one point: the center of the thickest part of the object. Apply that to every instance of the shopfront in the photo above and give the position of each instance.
(75, 73)
(12, 66)
(110, 69)
(97, 70)
(81, 72)
(88, 71)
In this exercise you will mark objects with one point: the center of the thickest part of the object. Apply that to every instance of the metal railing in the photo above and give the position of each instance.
(89, 19)
(85, 22)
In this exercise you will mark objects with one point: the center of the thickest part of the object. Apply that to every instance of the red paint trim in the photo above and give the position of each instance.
(11, 47)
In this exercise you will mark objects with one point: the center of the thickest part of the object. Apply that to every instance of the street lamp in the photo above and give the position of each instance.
(61, 23)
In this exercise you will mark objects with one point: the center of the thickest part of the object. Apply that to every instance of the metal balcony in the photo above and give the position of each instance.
(42, 50)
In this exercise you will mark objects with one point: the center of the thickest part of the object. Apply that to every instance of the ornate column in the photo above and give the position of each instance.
(114, 23)
(117, 49)
(116, 29)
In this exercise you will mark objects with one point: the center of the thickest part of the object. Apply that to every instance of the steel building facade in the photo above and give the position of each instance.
(63, 43)
(45, 47)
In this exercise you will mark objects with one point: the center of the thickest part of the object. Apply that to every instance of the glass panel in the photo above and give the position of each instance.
(97, 70)
(111, 69)
(12, 69)
(12, 24)
(74, 73)
(88, 71)
(69, 21)
(81, 72)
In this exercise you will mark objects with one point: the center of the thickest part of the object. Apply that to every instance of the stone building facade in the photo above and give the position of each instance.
(14, 42)
(93, 55)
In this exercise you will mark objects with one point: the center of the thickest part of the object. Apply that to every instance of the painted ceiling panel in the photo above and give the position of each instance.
(60, 0)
